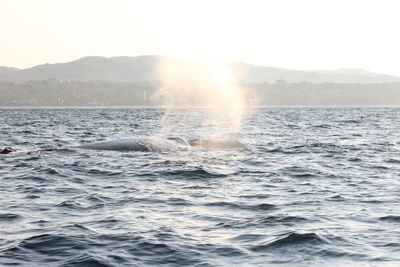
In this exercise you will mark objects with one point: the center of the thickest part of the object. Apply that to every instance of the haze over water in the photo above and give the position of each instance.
(311, 187)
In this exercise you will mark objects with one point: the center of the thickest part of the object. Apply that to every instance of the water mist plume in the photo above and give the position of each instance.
(207, 84)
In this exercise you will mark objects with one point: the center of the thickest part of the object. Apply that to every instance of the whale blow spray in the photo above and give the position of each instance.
(201, 83)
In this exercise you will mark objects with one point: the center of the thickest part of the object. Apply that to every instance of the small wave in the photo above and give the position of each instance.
(303, 175)
(282, 219)
(273, 150)
(68, 204)
(263, 222)
(337, 198)
(355, 159)
(22, 165)
(372, 201)
(227, 251)
(259, 196)
(27, 132)
(156, 253)
(49, 171)
(300, 172)
(146, 248)
(320, 147)
(103, 172)
(179, 202)
(264, 206)
(85, 260)
(290, 240)
(9, 217)
(320, 126)
(395, 161)
(348, 121)
(248, 237)
(34, 178)
(310, 147)
(192, 174)
(390, 218)
(74, 205)
(341, 254)
(223, 204)
(392, 244)
(76, 227)
(261, 207)
(375, 166)
(52, 244)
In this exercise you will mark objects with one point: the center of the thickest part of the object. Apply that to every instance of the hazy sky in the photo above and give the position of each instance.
(307, 34)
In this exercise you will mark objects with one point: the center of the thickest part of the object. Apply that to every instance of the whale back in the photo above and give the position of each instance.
(140, 144)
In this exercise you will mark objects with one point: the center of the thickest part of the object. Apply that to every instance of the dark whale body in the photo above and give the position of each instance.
(140, 144)
(150, 144)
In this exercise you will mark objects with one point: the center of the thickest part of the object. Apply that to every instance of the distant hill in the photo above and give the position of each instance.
(4, 70)
(258, 74)
(133, 69)
(143, 69)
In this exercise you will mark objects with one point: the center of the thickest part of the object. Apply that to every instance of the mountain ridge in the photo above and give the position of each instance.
(4, 69)
(144, 69)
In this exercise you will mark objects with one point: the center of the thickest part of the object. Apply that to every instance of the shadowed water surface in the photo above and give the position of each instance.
(310, 187)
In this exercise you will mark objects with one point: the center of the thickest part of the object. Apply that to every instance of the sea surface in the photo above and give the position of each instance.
(309, 187)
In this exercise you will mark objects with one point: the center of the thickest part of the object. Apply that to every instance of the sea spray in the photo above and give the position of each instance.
(206, 84)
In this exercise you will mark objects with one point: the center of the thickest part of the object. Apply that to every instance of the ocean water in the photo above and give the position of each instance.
(310, 187)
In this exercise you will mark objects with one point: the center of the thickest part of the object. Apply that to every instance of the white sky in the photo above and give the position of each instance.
(295, 34)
